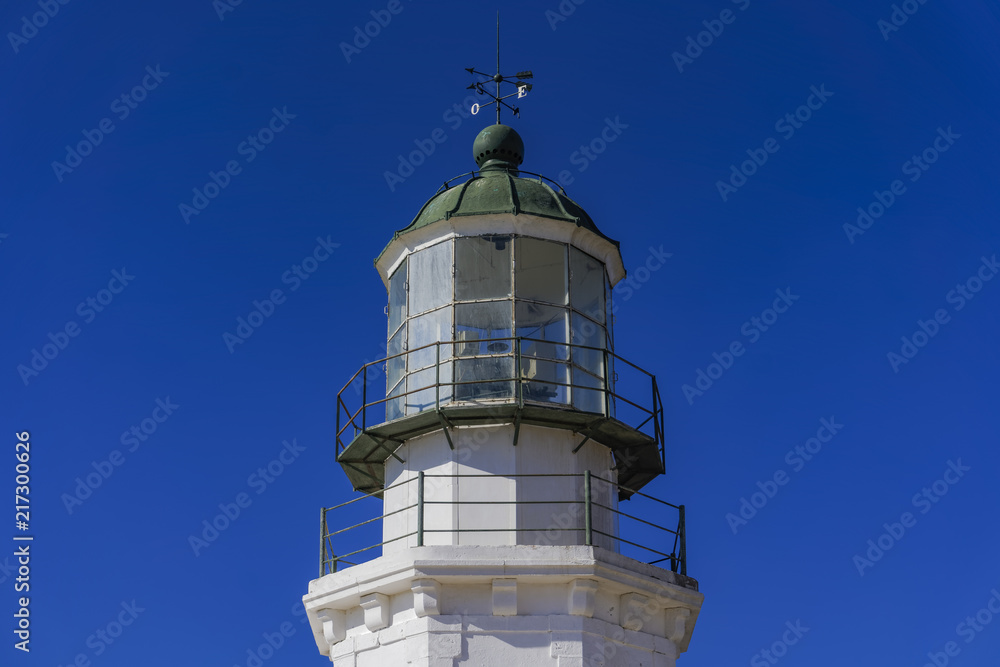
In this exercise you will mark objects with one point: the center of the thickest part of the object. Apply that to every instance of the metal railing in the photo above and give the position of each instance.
(350, 553)
(641, 414)
(513, 172)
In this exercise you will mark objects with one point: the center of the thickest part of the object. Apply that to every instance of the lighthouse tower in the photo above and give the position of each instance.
(504, 443)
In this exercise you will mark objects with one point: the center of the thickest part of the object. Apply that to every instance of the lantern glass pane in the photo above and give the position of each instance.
(547, 326)
(588, 334)
(485, 378)
(425, 329)
(397, 298)
(430, 278)
(395, 367)
(541, 271)
(587, 284)
(478, 325)
(545, 381)
(482, 268)
(587, 400)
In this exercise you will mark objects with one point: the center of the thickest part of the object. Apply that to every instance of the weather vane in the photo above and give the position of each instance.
(517, 80)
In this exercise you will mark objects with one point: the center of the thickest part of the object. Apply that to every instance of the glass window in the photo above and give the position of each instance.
(477, 323)
(397, 298)
(545, 380)
(588, 400)
(541, 271)
(430, 278)
(587, 284)
(588, 333)
(482, 268)
(423, 392)
(487, 377)
(396, 366)
(610, 321)
(430, 328)
(548, 325)
(394, 406)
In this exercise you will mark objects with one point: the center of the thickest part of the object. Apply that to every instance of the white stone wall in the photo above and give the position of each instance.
(519, 641)
(505, 606)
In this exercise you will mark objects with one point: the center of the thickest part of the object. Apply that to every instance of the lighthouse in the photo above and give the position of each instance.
(503, 443)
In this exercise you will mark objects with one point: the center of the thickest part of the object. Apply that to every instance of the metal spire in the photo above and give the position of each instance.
(498, 64)
(518, 80)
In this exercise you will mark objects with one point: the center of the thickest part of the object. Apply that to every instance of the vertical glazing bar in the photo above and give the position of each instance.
(420, 508)
(683, 531)
(437, 376)
(588, 520)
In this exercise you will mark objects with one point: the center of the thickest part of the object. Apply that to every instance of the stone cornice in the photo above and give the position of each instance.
(430, 568)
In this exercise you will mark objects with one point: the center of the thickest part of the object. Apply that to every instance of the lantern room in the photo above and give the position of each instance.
(484, 293)
(499, 309)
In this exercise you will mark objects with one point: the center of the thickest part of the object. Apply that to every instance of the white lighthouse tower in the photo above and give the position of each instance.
(507, 442)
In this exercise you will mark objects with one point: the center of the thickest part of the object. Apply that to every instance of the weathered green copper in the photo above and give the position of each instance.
(498, 147)
(500, 188)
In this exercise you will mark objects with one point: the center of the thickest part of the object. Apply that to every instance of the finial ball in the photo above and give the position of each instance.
(498, 144)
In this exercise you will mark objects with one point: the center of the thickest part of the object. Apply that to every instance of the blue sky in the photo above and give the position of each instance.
(897, 119)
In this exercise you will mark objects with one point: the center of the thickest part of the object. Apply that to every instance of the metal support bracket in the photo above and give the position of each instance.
(589, 429)
(445, 425)
(381, 443)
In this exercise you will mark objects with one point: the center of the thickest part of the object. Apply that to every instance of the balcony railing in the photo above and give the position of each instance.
(513, 371)
(351, 545)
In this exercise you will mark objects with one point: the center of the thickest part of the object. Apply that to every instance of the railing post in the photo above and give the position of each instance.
(682, 531)
(657, 426)
(588, 519)
(607, 385)
(364, 400)
(437, 377)
(322, 541)
(420, 508)
(517, 372)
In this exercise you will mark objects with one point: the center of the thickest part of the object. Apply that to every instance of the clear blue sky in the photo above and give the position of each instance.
(879, 98)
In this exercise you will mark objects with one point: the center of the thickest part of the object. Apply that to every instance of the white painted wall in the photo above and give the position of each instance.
(501, 501)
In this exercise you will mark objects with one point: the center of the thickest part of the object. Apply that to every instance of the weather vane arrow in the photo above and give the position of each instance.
(517, 80)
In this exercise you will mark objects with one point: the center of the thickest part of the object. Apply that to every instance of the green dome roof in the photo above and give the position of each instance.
(500, 188)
